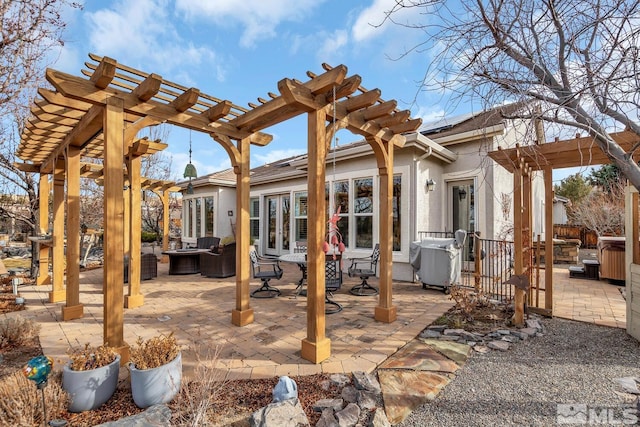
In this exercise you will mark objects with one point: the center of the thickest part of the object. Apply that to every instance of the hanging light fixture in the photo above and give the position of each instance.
(190, 169)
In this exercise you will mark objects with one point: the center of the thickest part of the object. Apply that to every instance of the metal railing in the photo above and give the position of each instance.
(486, 263)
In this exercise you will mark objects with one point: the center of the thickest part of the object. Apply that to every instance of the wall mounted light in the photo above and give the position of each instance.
(462, 193)
(431, 184)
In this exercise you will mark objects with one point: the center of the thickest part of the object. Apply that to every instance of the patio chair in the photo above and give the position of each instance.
(301, 247)
(364, 268)
(265, 270)
(332, 283)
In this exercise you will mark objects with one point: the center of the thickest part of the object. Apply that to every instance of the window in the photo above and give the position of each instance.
(363, 212)
(198, 217)
(254, 218)
(300, 215)
(341, 200)
(188, 215)
(208, 215)
(397, 231)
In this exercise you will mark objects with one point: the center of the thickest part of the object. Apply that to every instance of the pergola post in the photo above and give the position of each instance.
(385, 311)
(548, 239)
(43, 228)
(165, 225)
(134, 298)
(73, 308)
(316, 347)
(113, 270)
(243, 314)
(57, 292)
(517, 240)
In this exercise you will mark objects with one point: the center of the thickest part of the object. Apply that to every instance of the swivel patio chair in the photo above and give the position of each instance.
(332, 283)
(265, 270)
(364, 268)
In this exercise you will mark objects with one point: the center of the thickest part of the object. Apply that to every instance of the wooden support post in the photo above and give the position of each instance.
(43, 228)
(165, 225)
(73, 308)
(135, 297)
(477, 262)
(385, 311)
(58, 293)
(316, 347)
(243, 314)
(548, 239)
(114, 227)
(518, 240)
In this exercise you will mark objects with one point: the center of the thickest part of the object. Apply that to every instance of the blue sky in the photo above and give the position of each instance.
(239, 50)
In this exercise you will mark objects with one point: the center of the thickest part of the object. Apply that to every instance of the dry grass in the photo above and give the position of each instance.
(21, 400)
(91, 357)
(154, 352)
(17, 331)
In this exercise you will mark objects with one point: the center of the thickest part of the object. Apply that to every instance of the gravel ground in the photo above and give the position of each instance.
(572, 363)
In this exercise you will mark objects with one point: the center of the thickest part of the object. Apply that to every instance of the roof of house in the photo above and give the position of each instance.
(296, 166)
(469, 122)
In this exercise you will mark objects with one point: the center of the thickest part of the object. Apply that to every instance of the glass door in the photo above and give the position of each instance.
(463, 212)
(278, 216)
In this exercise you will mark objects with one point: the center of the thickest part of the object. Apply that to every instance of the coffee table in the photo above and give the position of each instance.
(184, 261)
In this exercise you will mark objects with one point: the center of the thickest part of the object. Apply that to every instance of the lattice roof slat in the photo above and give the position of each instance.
(580, 151)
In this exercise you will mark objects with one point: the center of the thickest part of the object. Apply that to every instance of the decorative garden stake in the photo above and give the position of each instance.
(37, 370)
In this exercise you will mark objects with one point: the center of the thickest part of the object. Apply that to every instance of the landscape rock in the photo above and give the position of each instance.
(364, 381)
(350, 394)
(285, 413)
(322, 404)
(499, 345)
(349, 416)
(327, 419)
(379, 419)
(156, 415)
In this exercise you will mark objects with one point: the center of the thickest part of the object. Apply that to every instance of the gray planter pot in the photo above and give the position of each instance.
(88, 390)
(156, 385)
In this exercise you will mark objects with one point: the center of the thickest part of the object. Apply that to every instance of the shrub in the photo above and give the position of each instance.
(17, 331)
(149, 236)
(21, 401)
(91, 357)
(154, 352)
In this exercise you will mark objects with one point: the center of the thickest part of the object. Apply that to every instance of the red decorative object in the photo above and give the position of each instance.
(334, 238)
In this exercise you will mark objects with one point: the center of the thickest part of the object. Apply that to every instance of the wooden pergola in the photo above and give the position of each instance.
(522, 162)
(99, 115)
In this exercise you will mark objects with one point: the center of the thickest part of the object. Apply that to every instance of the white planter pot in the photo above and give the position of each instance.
(88, 390)
(156, 385)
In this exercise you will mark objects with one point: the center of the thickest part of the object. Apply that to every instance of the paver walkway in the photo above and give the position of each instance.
(197, 310)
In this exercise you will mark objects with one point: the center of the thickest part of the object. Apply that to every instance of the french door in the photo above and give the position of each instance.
(278, 214)
(462, 202)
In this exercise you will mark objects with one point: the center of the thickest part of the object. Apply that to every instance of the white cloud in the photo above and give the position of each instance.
(367, 23)
(143, 34)
(333, 44)
(258, 17)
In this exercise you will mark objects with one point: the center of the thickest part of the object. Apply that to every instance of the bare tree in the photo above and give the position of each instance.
(29, 31)
(602, 211)
(579, 61)
(156, 166)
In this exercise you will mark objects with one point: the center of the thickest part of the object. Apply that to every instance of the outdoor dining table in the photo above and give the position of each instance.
(301, 260)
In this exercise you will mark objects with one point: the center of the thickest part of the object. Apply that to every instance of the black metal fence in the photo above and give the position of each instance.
(491, 270)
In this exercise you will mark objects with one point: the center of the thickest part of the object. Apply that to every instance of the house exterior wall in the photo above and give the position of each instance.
(224, 201)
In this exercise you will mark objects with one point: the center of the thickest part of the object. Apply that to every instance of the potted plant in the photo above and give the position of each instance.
(156, 370)
(90, 377)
